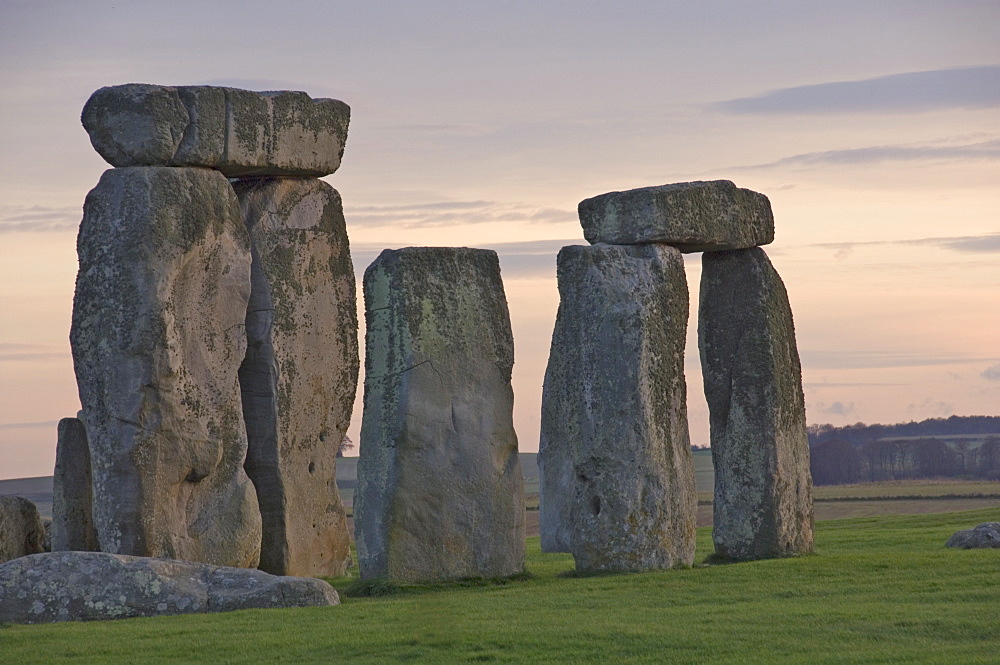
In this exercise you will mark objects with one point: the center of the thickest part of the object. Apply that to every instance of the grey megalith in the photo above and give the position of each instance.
(616, 470)
(21, 529)
(753, 384)
(157, 337)
(94, 586)
(72, 492)
(440, 492)
(692, 216)
(238, 132)
(300, 374)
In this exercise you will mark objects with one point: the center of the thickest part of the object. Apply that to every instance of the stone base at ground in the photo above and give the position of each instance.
(93, 586)
(21, 528)
(753, 385)
(986, 535)
(616, 470)
(440, 492)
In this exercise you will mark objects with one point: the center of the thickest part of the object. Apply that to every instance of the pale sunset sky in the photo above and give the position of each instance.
(872, 126)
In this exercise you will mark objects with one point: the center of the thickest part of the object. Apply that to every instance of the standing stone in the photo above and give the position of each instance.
(158, 336)
(21, 529)
(753, 384)
(615, 463)
(300, 374)
(238, 132)
(440, 492)
(72, 506)
(692, 216)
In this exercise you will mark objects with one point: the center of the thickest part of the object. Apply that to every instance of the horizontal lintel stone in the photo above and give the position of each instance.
(238, 132)
(691, 216)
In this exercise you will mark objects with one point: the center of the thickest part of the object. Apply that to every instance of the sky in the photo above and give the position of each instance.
(873, 128)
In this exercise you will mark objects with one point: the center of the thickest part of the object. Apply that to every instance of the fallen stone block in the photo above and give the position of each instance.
(616, 470)
(95, 586)
(753, 383)
(985, 535)
(158, 335)
(238, 132)
(440, 492)
(692, 216)
(300, 374)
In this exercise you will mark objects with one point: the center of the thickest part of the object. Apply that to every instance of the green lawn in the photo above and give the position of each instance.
(880, 590)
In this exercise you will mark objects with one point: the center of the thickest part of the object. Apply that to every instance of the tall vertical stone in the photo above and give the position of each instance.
(300, 374)
(753, 384)
(617, 475)
(72, 506)
(440, 492)
(158, 336)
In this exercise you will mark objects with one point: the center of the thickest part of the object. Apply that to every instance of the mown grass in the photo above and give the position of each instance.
(879, 590)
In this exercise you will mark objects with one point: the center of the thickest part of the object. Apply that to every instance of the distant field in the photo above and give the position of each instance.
(880, 590)
(832, 502)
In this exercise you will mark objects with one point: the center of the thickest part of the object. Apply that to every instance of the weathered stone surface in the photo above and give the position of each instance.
(985, 535)
(72, 506)
(753, 384)
(21, 529)
(238, 132)
(158, 336)
(615, 464)
(300, 373)
(440, 492)
(94, 586)
(692, 216)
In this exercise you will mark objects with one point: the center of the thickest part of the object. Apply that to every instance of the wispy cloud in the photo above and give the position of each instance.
(518, 260)
(835, 409)
(824, 359)
(966, 87)
(983, 244)
(44, 423)
(39, 218)
(980, 151)
(991, 373)
(448, 213)
(32, 353)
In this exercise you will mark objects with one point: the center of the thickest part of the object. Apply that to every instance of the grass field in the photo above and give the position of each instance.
(880, 590)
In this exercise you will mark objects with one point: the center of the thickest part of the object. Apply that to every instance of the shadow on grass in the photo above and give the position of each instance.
(381, 586)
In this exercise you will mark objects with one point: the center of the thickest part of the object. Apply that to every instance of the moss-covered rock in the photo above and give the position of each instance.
(157, 337)
(753, 384)
(440, 492)
(238, 132)
(692, 216)
(616, 472)
(300, 374)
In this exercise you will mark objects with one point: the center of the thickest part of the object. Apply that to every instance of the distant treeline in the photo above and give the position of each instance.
(859, 433)
(871, 453)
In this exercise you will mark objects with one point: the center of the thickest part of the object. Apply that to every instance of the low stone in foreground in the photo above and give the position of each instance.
(21, 529)
(616, 471)
(753, 385)
(440, 492)
(94, 586)
(986, 535)
(238, 132)
(691, 216)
